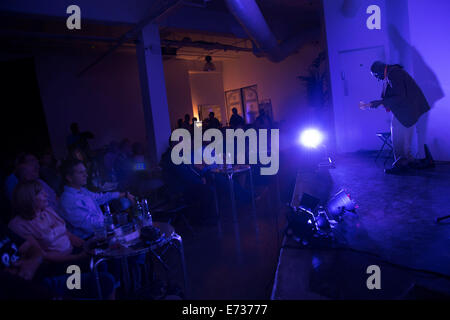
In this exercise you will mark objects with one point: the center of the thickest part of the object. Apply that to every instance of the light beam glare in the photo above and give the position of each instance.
(311, 138)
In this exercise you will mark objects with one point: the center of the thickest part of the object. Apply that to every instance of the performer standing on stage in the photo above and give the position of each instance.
(405, 99)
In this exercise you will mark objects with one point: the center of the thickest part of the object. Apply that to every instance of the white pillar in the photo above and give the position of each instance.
(153, 90)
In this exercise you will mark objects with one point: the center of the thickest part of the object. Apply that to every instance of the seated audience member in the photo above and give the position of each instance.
(91, 166)
(10, 183)
(49, 172)
(109, 159)
(144, 180)
(79, 139)
(78, 154)
(34, 218)
(6, 170)
(187, 180)
(236, 121)
(138, 156)
(12, 180)
(19, 274)
(123, 165)
(81, 207)
(30, 172)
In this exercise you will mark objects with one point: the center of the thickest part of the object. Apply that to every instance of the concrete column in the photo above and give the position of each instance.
(153, 90)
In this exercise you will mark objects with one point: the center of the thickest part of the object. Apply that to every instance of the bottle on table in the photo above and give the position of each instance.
(147, 216)
(137, 210)
(109, 223)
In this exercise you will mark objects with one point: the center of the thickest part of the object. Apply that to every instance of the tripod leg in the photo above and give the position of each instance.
(442, 219)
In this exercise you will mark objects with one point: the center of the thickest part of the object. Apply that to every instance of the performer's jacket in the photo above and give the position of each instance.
(404, 97)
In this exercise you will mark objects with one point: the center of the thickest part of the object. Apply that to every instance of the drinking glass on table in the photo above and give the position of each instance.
(122, 218)
(100, 233)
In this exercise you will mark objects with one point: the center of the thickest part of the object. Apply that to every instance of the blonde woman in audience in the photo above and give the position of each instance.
(34, 218)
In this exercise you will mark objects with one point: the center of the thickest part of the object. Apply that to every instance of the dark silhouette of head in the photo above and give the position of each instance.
(211, 115)
(114, 146)
(234, 110)
(74, 128)
(187, 118)
(194, 120)
(125, 146)
(137, 149)
(377, 69)
(180, 123)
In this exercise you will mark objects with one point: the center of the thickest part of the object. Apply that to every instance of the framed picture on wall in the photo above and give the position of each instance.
(250, 102)
(233, 99)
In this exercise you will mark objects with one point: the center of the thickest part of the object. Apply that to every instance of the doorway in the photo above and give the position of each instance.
(356, 129)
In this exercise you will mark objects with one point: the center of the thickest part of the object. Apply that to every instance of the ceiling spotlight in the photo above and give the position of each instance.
(209, 66)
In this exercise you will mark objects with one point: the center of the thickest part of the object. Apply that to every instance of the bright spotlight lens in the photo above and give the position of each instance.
(311, 138)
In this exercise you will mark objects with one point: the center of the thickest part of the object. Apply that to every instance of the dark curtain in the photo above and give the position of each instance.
(23, 125)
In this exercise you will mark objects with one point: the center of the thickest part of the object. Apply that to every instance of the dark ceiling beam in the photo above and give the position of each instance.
(194, 4)
(250, 17)
(204, 45)
(166, 8)
(16, 35)
(42, 35)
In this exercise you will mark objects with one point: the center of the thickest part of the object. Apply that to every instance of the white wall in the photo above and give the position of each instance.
(275, 81)
(186, 91)
(347, 35)
(178, 90)
(207, 89)
(430, 44)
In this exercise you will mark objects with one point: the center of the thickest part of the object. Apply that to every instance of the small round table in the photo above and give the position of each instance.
(169, 238)
(229, 173)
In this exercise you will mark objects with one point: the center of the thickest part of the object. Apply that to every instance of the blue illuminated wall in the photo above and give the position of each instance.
(430, 46)
(413, 33)
(349, 43)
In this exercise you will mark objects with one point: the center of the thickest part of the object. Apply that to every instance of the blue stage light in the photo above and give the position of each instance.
(311, 138)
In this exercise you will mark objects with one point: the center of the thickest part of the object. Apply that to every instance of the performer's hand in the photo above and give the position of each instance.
(363, 105)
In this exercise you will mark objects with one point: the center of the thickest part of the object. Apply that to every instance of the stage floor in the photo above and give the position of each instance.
(394, 228)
